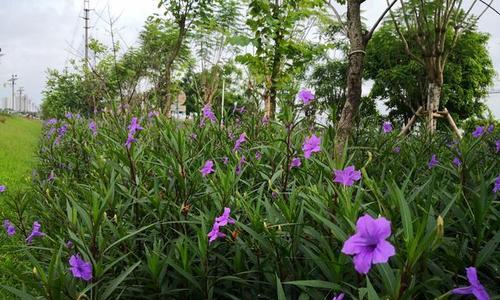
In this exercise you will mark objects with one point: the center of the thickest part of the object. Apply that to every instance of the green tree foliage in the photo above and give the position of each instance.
(401, 82)
(281, 52)
(64, 91)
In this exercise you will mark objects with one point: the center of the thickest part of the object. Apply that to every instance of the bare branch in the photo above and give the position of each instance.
(405, 42)
(337, 15)
(369, 35)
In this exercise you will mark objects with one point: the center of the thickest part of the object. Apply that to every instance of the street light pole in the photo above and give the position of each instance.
(13, 83)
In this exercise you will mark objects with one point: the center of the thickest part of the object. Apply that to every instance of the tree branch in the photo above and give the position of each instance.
(370, 34)
(337, 15)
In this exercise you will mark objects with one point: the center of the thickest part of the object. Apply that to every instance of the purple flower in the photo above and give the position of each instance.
(215, 233)
(339, 297)
(3, 188)
(220, 222)
(476, 288)
(153, 113)
(497, 144)
(50, 122)
(225, 160)
(93, 127)
(496, 188)
(240, 164)
(478, 132)
(239, 141)
(295, 163)
(68, 115)
(265, 120)
(51, 176)
(274, 194)
(134, 126)
(208, 113)
(35, 232)
(258, 155)
(225, 219)
(491, 128)
(387, 127)
(457, 162)
(11, 229)
(433, 162)
(347, 176)
(396, 149)
(193, 136)
(80, 268)
(69, 244)
(306, 96)
(368, 244)
(207, 168)
(129, 141)
(311, 145)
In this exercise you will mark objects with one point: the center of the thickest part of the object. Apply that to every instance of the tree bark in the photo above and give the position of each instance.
(270, 98)
(354, 76)
(433, 98)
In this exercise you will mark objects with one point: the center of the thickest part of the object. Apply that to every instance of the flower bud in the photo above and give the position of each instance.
(440, 227)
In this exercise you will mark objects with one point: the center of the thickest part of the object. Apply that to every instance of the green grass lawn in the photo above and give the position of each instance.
(18, 143)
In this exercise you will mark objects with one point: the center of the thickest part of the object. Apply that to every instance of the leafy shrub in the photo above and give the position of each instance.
(141, 215)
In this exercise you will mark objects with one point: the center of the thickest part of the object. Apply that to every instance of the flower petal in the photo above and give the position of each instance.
(383, 228)
(383, 251)
(462, 291)
(363, 262)
(354, 245)
(364, 225)
(472, 276)
(480, 293)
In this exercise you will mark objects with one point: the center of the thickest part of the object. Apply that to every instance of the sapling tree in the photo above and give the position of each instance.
(430, 31)
(358, 39)
(185, 14)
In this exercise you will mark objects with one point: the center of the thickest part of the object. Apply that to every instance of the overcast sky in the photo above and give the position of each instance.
(40, 34)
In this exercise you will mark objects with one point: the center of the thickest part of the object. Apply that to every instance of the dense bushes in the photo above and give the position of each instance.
(141, 215)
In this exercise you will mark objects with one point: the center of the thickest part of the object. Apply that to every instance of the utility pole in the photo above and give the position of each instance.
(19, 103)
(13, 83)
(86, 10)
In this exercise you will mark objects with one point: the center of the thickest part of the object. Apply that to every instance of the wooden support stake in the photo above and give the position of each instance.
(452, 124)
(412, 121)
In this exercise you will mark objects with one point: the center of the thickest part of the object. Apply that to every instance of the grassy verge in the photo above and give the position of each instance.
(18, 141)
(18, 144)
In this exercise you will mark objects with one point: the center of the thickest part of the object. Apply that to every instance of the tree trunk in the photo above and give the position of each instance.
(433, 97)
(354, 76)
(168, 69)
(276, 66)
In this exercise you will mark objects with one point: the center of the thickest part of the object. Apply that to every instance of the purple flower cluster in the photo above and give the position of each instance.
(311, 145)
(35, 232)
(132, 130)
(9, 228)
(3, 188)
(433, 162)
(207, 168)
(478, 132)
(387, 127)
(348, 176)
(306, 96)
(295, 163)
(496, 188)
(93, 127)
(239, 141)
(208, 114)
(61, 132)
(368, 245)
(220, 222)
(80, 268)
